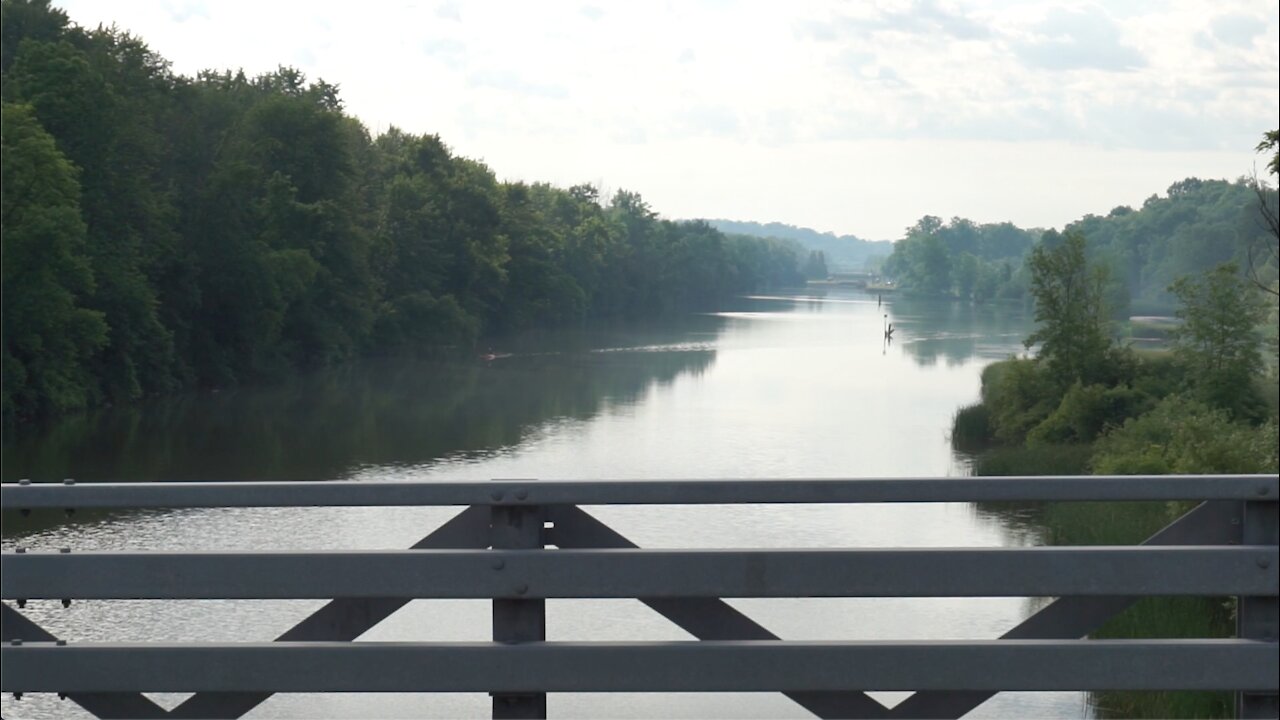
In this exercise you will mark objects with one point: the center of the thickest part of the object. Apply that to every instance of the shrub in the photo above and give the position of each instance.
(1158, 374)
(1019, 395)
(1086, 411)
(1181, 435)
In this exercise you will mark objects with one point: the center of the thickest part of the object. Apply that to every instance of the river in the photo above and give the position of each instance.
(789, 385)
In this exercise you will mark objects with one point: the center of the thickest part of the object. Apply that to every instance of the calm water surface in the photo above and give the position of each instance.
(792, 385)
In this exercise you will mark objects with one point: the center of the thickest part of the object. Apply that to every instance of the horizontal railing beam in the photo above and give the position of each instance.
(942, 572)
(638, 492)
(644, 667)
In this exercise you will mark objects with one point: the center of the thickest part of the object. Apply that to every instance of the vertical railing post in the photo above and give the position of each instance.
(517, 620)
(1256, 617)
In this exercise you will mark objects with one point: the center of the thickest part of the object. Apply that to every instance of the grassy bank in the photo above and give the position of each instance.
(1127, 523)
(1040, 460)
(1150, 419)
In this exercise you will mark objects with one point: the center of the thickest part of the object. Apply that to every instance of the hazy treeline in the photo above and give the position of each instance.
(1086, 402)
(961, 258)
(840, 252)
(1196, 226)
(163, 232)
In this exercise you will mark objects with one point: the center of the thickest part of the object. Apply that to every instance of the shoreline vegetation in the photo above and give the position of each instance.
(203, 232)
(164, 232)
(1085, 404)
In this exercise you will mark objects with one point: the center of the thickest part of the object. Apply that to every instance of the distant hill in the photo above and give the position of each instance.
(843, 252)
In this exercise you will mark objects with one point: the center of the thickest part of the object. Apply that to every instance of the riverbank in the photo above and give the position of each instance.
(1160, 617)
(1146, 421)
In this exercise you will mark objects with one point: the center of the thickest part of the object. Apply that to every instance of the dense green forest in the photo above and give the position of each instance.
(162, 231)
(1196, 226)
(961, 259)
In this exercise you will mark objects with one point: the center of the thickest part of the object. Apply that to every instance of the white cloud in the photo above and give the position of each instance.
(1237, 29)
(1076, 39)
(819, 113)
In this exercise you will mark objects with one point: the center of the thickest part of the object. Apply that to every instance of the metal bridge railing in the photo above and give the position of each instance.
(497, 548)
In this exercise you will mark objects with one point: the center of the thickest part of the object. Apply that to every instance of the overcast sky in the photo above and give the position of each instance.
(849, 117)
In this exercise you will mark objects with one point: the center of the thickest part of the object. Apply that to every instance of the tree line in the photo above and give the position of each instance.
(1195, 226)
(163, 232)
(842, 253)
(961, 258)
(1085, 402)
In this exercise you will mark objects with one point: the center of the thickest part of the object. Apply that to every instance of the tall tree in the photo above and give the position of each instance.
(1218, 342)
(94, 93)
(48, 334)
(1073, 327)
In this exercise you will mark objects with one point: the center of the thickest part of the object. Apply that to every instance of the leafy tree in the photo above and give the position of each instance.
(243, 227)
(815, 267)
(959, 258)
(1271, 143)
(539, 290)
(1199, 224)
(1088, 410)
(48, 335)
(1073, 326)
(1265, 253)
(1019, 395)
(1181, 435)
(97, 94)
(1003, 240)
(21, 19)
(1218, 342)
(967, 271)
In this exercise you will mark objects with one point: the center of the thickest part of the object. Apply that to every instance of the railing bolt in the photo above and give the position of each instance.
(522, 494)
(70, 511)
(496, 494)
(61, 643)
(64, 551)
(1263, 490)
(15, 642)
(62, 696)
(17, 696)
(1264, 562)
(69, 481)
(24, 481)
(522, 589)
(497, 564)
(21, 551)
(22, 603)
(66, 602)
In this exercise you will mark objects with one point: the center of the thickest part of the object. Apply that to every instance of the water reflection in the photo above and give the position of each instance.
(781, 386)
(327, 425)
(931, 331)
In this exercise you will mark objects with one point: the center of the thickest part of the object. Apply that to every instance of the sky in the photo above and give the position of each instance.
(851, 117)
